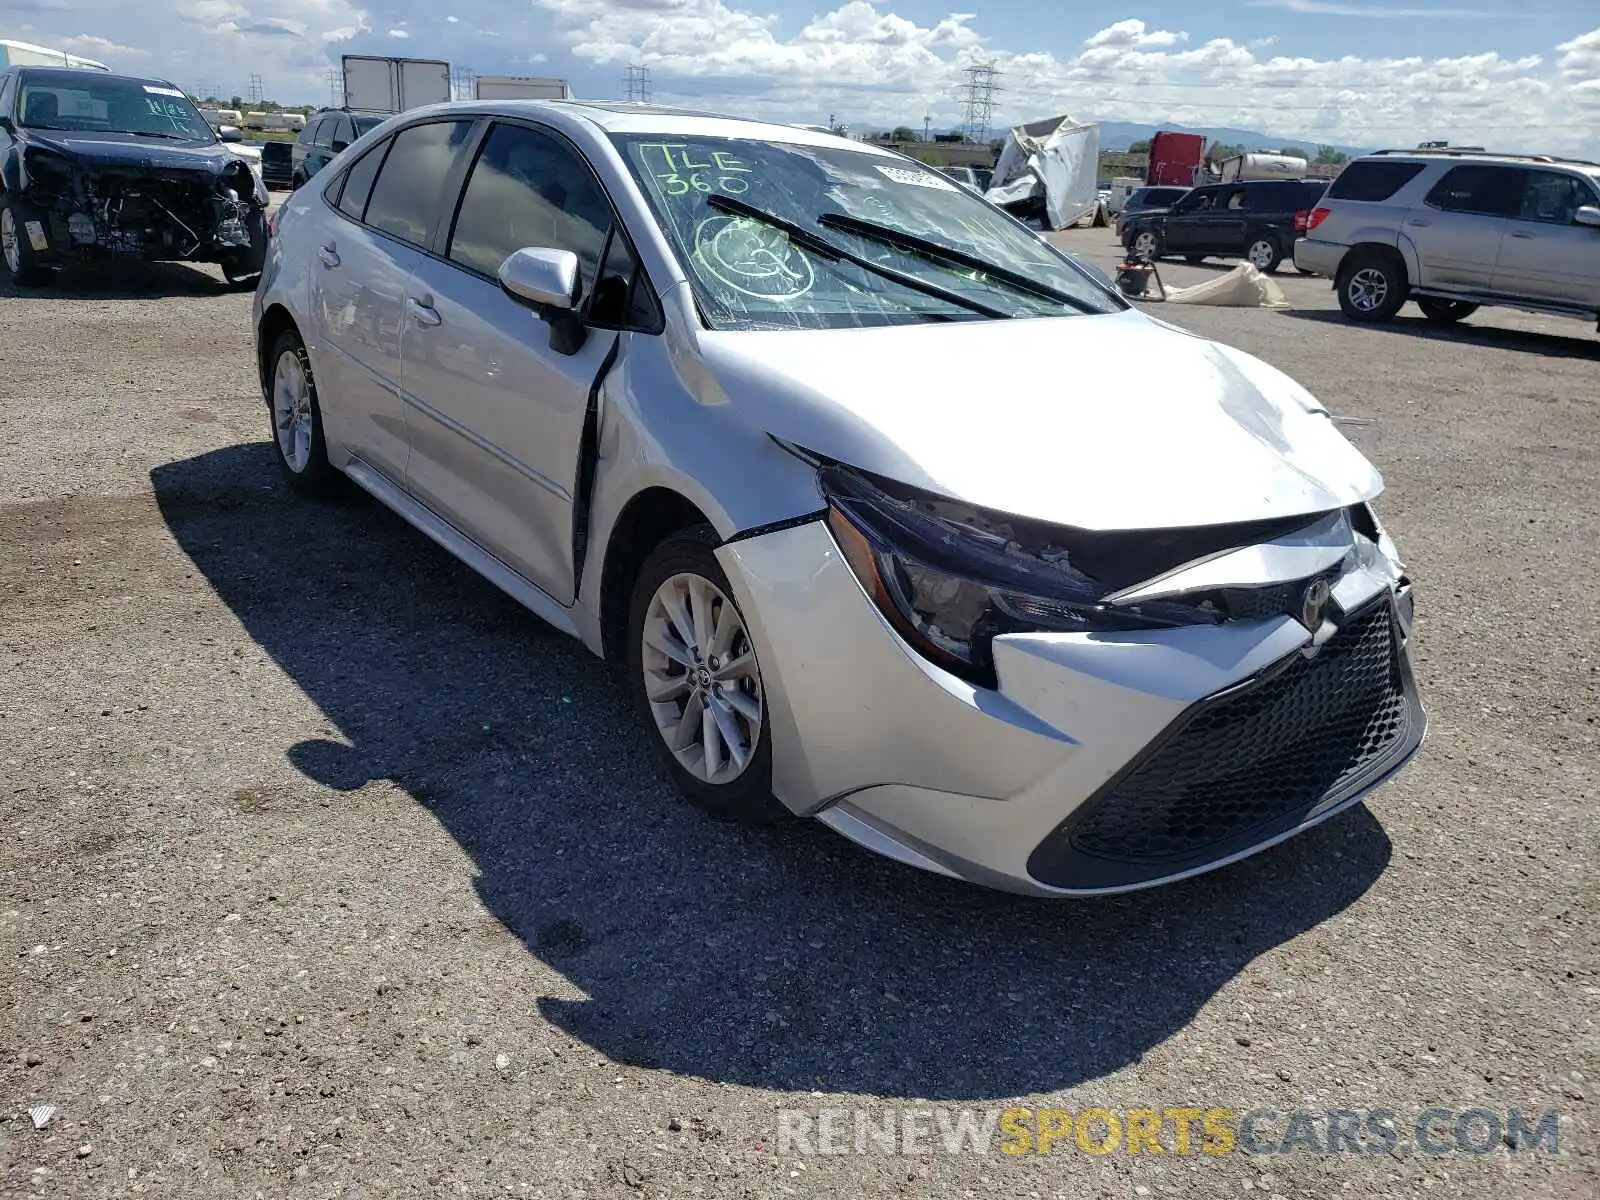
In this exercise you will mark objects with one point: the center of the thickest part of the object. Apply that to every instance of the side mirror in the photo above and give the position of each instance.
(1589, 214)
(229, 133)
(546, 281)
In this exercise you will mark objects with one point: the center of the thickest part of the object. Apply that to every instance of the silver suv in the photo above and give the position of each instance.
(1455, 230)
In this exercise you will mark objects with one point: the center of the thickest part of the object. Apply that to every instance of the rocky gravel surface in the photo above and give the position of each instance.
(326, 871)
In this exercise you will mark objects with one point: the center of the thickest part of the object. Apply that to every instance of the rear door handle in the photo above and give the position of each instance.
(328, 256)
(423, 311)
(1418, 221)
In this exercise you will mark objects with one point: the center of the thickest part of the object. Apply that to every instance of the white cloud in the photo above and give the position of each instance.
(1134, 33)
(1383, 12)
(398, 33)
(93, 46)
(1580, 57)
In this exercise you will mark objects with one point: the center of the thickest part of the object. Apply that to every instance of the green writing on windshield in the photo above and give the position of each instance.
(678, 169)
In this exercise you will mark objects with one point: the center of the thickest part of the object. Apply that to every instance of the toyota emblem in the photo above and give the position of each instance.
(1313, 603)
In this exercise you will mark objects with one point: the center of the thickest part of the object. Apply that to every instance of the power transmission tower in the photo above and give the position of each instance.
(977, 94)
(335, 88)
(256, 95)
(637, 81)
(927, 125)
(464, 83)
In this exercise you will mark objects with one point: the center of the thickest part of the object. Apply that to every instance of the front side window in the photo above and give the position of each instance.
(84, 101)
(405, 198)
(759, 226)
(529, 190)
(1553, 197)
(1485, 190)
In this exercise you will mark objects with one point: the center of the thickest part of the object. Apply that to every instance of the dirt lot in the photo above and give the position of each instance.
(326, 871)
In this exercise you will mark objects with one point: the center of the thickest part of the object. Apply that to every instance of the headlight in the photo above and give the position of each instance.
(46, 169)
(949, 577)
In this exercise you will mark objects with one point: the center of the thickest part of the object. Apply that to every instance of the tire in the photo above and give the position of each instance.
(301, 450)
(1372, 288)
(1194, 260)
(664, 689)
(1263, 254)
(242, 268)
(1445, 312)
(16, 250)
(1146, 243)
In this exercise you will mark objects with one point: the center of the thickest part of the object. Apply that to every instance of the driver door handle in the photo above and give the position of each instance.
(328, 256)
(423, 311)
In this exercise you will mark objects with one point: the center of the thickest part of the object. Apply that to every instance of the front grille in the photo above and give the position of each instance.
(1256, 757)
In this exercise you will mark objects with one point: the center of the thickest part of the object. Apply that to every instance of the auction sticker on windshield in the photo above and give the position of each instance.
(925, 179)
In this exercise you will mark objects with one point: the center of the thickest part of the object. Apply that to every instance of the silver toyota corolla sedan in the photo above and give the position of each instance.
(845, 464)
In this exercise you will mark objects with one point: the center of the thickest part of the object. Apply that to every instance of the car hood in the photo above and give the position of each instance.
(130, 151)
(1100, 422)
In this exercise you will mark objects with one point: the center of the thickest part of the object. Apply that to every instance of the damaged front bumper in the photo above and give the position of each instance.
(1099, 762)
(72, 211)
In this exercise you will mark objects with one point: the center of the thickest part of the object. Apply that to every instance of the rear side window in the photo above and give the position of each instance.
(405, 198)
(1484, 190)
(308, 133)
(322, 132)
(1372, 180)
(527, 189)
(343, 133)
(358, 181)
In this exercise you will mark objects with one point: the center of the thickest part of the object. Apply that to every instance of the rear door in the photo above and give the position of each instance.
(497, 412)
(386, 205)
(1458, 228)
(1545, 256)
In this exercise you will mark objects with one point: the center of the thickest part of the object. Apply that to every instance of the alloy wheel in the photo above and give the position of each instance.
(1144, 245)
(1261, 254)
(1367, 289)
(701, 679)
(291, 410)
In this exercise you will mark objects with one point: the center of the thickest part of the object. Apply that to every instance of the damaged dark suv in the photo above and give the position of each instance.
(97, 165)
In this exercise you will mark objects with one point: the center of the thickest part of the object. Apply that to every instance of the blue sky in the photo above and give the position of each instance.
(1523, 75)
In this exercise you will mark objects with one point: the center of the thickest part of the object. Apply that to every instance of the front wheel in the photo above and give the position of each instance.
(695, 677)
(1445, 312)
(1146, 244)
(242, 267)
(16, 244)
(1263, 254)
(1372, 289)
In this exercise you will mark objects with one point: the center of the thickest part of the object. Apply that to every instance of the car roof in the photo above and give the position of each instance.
(1493, 158)
(625, 117)
(67, 76)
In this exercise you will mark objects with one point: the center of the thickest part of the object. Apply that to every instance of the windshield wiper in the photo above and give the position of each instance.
(160, 133)
(913, 244)
(823, 248)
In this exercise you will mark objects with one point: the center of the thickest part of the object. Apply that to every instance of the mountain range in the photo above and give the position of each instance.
(1118, 135)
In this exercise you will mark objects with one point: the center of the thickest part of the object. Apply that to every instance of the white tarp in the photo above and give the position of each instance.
(1242, 287)
(1058, 158)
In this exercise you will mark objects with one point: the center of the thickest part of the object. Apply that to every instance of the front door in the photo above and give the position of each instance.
(497, 414)
(1458, 229)
(1184, 229)
(1545, 256)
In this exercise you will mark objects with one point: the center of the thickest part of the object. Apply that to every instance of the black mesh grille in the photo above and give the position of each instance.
(1249, 758)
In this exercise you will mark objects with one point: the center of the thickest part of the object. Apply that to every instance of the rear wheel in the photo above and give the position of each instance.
(1445, 312)
(1372, 289)
(695, 678)
(297, 417)
(1263, 254)
(1146, 244)
(16, 245)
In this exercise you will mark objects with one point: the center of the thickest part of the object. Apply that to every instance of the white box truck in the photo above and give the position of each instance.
(26, 54)
(390, 85)
(521, 87)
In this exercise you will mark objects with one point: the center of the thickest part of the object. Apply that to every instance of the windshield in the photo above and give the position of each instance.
(85, 101)
(884, 212)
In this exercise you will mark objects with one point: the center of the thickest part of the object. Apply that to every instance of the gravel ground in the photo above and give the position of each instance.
(326, 871)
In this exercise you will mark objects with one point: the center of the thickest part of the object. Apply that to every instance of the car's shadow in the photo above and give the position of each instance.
(136, 280)
(1551, 345)
(783, 959)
